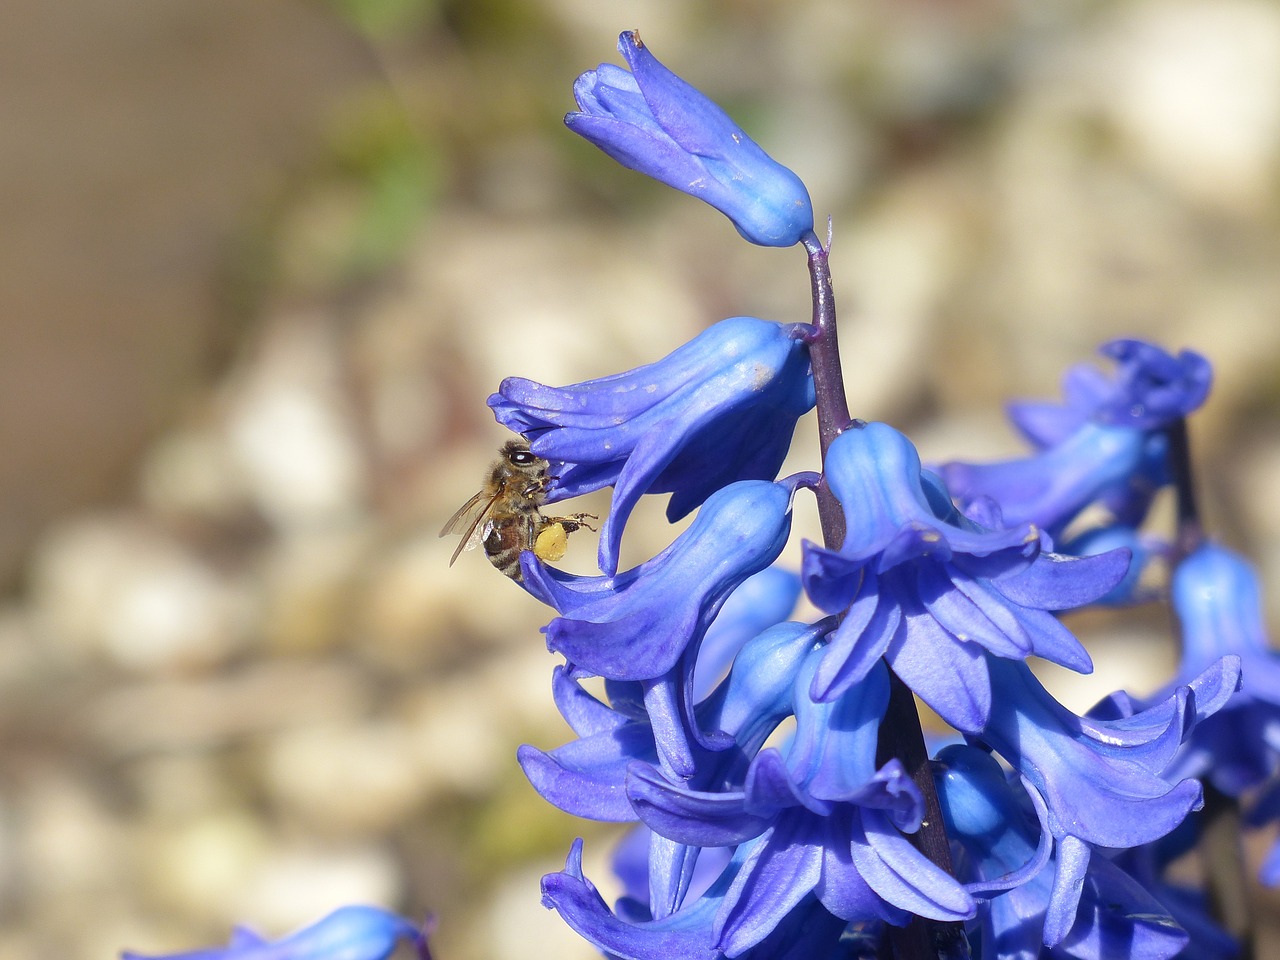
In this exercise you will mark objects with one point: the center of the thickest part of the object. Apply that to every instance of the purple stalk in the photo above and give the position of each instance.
(900, 733)
(1221, 855)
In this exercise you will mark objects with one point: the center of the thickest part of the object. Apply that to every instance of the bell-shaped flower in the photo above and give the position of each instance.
(638, 624)
(1218, 602)
(721, 408)
(1105, 444)
(652, 121)
(349, 933)
(587, 777)
(1001, 850)
(931, 590)
(819, 820)
(688, 933)
(1101, 776)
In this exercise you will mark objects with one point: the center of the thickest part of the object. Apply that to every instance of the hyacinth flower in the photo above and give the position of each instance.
(689, 933)
(998, 832)
(765, 599)
(1103, 782)
(1216, 597)
(721, 408)
(817, 835)
(587, 777)
(652, 121)
(818, 819)
(915, 578)
(349, 933)
(1105, 444)
(646, 624)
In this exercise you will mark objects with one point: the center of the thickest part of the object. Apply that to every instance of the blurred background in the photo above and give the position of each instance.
(262, 262)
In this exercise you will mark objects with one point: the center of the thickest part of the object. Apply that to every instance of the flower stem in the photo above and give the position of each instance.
(1190, 532)
(900, 733)
(1222, 859)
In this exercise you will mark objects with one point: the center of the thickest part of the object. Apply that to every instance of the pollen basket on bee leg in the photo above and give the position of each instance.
(552, 542)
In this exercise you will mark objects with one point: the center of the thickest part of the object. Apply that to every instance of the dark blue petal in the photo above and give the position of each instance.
(587, 777)
(1117, 917)
(1072, 858)
(583, 712)
(832, 580)
(858, 643)
(1058, 582)
(956, 685)
(688, 816)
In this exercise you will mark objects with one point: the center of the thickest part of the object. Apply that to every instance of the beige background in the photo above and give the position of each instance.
(262, 263)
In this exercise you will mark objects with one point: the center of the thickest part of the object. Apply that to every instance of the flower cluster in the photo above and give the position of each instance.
(944, 583)
(773, 769)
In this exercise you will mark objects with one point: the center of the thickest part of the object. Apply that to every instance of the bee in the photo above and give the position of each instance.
(505, 517)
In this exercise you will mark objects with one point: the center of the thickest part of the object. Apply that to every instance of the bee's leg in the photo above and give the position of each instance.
(575, 521)
(553, 534)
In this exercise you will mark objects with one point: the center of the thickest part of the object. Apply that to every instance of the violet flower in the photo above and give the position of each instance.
(1218, 602)
(652, 121)
(721, 408)
(930, 590)
(818, 820)
(996, 831)
(349, 933)
(1105, 444)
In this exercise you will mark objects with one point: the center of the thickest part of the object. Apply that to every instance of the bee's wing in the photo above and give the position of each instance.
(469, 517)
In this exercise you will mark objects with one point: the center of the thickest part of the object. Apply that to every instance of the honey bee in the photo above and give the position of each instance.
(505, 517)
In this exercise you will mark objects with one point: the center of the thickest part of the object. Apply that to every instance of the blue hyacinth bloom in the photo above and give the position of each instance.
(1103, 778)
(1218, 601)
(1104, 444)
(998, 837)
(349, 933)
(932, 591)
(818, 819)
(652, 121)
(587, 777)
(638, 624)
(688, 933)
(721, 408)
(1217, 598)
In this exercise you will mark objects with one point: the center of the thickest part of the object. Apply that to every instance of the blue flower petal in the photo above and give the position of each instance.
(680, 138)
(719, 409)
(640, 628)
(351, 932)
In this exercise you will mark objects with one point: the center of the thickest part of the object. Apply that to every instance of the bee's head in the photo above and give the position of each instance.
(521, 460)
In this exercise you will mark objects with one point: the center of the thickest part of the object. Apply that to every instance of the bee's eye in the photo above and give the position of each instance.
(523, 458)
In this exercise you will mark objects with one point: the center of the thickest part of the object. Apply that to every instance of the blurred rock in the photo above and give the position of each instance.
(1194, 87)
(291, 429)
(117, 587)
